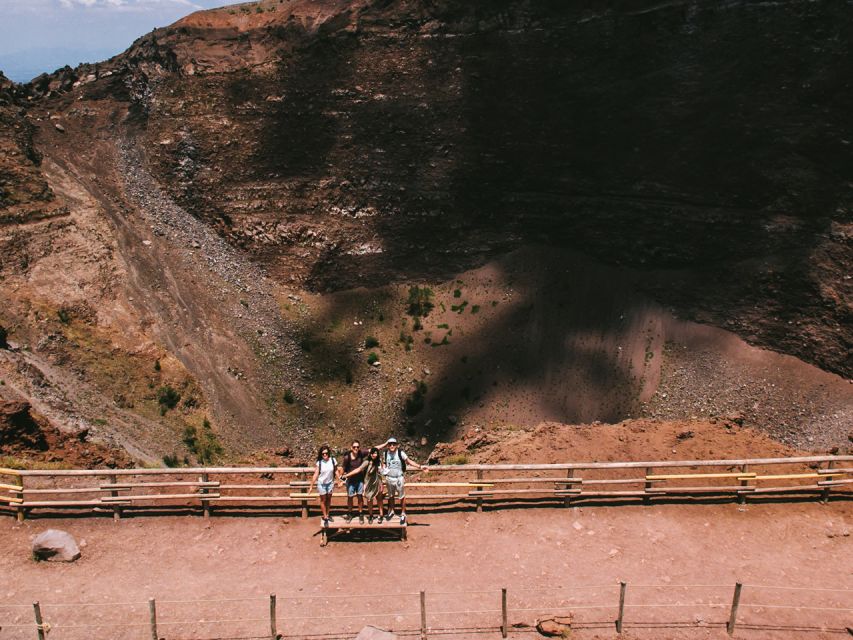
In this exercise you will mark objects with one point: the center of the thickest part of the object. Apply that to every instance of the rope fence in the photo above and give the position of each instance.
(420, 608)
(119, 491)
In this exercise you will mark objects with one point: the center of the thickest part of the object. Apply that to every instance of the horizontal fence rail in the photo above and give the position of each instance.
(491, 612)
(206, 488)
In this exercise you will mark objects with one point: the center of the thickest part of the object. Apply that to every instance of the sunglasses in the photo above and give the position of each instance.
(324, 453)
(355, 446)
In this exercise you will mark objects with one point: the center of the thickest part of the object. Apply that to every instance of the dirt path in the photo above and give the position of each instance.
(461, 559)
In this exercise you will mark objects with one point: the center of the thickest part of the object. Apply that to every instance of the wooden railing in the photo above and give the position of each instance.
(478, 484)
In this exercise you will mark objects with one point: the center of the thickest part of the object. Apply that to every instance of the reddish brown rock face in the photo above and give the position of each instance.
(217, 194)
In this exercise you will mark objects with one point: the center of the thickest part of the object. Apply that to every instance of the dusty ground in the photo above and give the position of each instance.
(461, 559)
(547, 557)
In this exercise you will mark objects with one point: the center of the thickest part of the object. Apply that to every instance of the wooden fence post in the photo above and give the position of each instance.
(273, 626)
(730, 627)
(744, 483)
(646, 498)
(504, 625)
(303, 477)
(39, 622)
(825, 496)
(480, 488)
(20, 512)
(423, 616)
(622, 588)
(567, 501)
(113, 479)
(205, 504)
(152, 617)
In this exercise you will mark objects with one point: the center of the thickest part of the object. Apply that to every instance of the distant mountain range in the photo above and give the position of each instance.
(23, 66)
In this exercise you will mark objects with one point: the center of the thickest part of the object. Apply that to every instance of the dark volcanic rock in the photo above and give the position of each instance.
(348, 143)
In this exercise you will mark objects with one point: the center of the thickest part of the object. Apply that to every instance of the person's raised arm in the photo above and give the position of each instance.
(383, 445)
(355, 471)
(419, 467)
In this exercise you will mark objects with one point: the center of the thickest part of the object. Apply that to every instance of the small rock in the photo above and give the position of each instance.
(55, 545)
(59, 128)
(557, 626)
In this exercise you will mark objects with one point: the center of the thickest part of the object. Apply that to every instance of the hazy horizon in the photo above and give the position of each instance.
(40, 36)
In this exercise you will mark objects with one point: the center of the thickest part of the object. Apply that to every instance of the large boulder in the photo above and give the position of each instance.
(374, 633)
(55, 545)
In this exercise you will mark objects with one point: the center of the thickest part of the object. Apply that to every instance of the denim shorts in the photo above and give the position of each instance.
(324, 488)
(355, 487)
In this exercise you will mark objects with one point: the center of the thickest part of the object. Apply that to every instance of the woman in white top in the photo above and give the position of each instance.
(324, 478)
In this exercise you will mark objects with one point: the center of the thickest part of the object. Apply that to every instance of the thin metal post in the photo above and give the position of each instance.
(152, 617)
(623, 587)
(504, 626)
(273, 626)
(39, 622)
(479, 489)
(423, 616)
(730, 627)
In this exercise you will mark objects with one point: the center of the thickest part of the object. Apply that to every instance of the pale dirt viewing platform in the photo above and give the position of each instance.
(680, 563)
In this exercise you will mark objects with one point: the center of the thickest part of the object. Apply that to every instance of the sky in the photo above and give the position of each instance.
(39, 36)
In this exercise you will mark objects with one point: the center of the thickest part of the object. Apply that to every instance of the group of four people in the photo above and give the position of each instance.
(367, 477)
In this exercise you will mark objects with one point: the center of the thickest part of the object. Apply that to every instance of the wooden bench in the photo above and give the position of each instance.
(339, 525)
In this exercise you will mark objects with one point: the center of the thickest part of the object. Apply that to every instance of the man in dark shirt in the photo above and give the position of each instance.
(355, 484)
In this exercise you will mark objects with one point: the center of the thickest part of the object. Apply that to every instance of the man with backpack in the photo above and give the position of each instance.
(395, 462)
(355, 483)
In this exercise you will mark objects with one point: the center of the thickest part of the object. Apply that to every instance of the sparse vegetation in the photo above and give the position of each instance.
(417, 326)
(4, 334)
(372, 357)
(171, 460)
(64, 315)
(370, 342)
(406, 340)
(157, 366)
(443, 325)
(445, 340)
(420, 301)
(205, 446)
(168, 398)
(457, 293)
(456, 458)
(459, 308)
(475, 308)
(289, 398)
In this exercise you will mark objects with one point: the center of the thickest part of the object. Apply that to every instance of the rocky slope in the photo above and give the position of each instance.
(234, 205)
